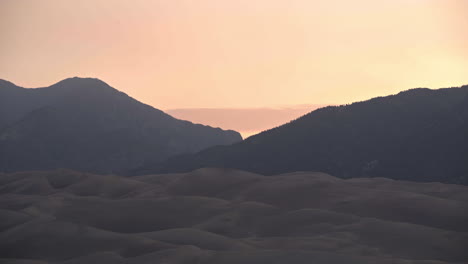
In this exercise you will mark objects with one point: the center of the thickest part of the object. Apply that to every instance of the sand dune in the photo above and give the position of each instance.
(229, 216)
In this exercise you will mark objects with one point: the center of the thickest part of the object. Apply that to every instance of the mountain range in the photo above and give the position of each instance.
(418, 135)
(84, 124)
(314, 190)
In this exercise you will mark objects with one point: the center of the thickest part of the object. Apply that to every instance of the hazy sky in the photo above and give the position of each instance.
(238, 53)
(247, 121)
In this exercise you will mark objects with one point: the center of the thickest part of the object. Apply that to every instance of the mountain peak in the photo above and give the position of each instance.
(82, 81)
(84, 124)
(80, 84)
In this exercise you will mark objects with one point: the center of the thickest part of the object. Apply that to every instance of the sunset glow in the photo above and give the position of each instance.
(238, 54)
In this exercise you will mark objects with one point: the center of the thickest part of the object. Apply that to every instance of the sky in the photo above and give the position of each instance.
(248, 121)
(243, 54)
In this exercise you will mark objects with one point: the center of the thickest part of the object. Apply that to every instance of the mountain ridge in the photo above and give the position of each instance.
(362, 139)
(86, 114)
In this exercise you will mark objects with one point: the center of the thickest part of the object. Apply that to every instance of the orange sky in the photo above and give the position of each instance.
(248, 121)
(238, 54)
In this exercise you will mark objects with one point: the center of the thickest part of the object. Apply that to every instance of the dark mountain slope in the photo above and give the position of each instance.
(419, 135)
(85, 124)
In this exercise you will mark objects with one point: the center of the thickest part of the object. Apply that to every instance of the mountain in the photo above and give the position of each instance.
(229, 217)
(418, 135)
(84, 124)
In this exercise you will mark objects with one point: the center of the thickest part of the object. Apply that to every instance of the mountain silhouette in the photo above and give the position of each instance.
(418, 135)
(84, 124)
